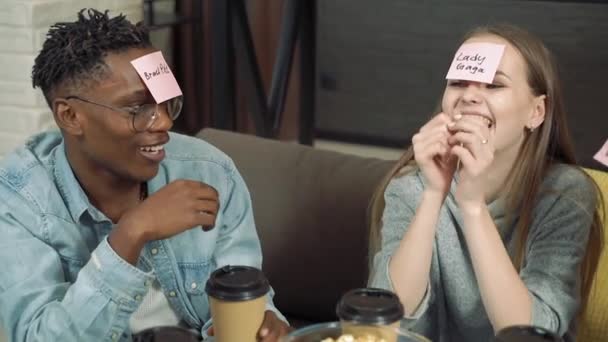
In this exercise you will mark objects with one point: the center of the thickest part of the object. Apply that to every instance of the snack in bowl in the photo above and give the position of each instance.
(351, 338)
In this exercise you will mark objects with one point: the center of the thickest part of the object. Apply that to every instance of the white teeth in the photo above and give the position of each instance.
(484, 119)
(154, 149)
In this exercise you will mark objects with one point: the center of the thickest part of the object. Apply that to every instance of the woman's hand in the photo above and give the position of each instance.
(472, 142)
(433, 156)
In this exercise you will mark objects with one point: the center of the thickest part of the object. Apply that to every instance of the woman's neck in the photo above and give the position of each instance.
(499, 171)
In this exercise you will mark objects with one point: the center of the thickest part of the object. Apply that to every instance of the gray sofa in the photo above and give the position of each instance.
(310, 208)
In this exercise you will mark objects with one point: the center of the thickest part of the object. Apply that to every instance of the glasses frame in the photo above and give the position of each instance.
(132, 114)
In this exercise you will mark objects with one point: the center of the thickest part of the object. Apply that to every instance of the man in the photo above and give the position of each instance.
(114, 224)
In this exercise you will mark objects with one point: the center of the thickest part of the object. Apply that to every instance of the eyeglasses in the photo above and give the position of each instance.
(143, 116)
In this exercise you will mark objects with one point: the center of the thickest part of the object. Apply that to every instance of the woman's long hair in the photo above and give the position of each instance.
(548, 144)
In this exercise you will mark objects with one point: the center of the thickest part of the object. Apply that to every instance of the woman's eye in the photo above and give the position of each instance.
(494, 86)
(455, 83)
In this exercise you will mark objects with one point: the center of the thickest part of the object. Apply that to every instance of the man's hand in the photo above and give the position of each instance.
(177, 207)
(272, 328)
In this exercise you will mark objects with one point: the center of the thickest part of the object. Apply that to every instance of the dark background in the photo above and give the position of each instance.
(381, 64)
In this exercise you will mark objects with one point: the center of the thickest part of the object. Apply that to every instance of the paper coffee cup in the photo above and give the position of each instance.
(370, 311)
(237, 297)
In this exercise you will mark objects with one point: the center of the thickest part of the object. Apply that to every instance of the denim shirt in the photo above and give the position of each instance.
(59, 278)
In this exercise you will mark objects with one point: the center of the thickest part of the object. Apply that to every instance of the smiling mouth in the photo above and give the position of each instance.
(152, 149)
(486, 120)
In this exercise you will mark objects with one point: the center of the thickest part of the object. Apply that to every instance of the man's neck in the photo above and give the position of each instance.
(109, 193)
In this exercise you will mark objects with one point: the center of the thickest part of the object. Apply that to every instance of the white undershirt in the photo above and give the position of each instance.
(154, 311)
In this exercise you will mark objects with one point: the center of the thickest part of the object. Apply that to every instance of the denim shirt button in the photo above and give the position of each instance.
(114, 337)
(193, 285)
(172, 294)
(154, 251)
(138, 297)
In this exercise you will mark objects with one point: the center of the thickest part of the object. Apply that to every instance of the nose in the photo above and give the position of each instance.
(163, 120)
(472, 93)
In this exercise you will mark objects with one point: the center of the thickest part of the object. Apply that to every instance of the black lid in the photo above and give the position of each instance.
(370, 306)
(237, 283)
(525, 333)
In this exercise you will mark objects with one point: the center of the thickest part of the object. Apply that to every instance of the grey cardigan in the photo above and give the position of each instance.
(452, 309)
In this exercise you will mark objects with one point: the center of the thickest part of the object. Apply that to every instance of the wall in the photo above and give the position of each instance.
(23, 26)
(381, 68)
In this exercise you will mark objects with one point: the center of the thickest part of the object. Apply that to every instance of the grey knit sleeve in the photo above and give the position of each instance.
(556, 246)
(401, 199)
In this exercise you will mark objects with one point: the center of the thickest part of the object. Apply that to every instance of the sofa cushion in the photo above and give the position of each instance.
(310, 209)
(594, 326)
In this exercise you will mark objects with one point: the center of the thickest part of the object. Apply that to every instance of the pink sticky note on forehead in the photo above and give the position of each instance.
(476, 62)
(602, 154)
(156, 74)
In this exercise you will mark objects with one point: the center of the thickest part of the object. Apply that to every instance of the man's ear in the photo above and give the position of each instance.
(66, 117)
(538, 112)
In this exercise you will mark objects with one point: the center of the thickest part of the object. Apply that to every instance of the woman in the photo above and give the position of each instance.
(486, 221)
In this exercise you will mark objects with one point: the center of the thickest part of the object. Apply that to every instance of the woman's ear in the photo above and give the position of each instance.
(537, 116)
(66, 117)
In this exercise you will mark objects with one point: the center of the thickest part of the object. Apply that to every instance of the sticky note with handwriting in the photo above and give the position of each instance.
(156, 74)
(476, 62)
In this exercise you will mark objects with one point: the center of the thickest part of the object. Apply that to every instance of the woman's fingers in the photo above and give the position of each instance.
(476, 127)
(464, 155)
(438, 131)
(438, 120)
(470, 140)
(429, 144)
(475, 153)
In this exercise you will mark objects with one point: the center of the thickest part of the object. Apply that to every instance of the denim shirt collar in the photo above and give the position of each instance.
(75, 198)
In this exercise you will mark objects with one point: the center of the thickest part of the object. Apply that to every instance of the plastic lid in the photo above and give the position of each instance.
(237, 283)
(370, 306)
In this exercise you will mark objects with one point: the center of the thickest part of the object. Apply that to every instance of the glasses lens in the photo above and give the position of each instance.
(174, 106)
(144, 117)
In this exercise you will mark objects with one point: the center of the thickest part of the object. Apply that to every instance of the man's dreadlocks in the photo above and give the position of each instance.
(73, 52)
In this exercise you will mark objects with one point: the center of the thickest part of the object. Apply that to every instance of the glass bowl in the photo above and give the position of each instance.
(322, 331)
